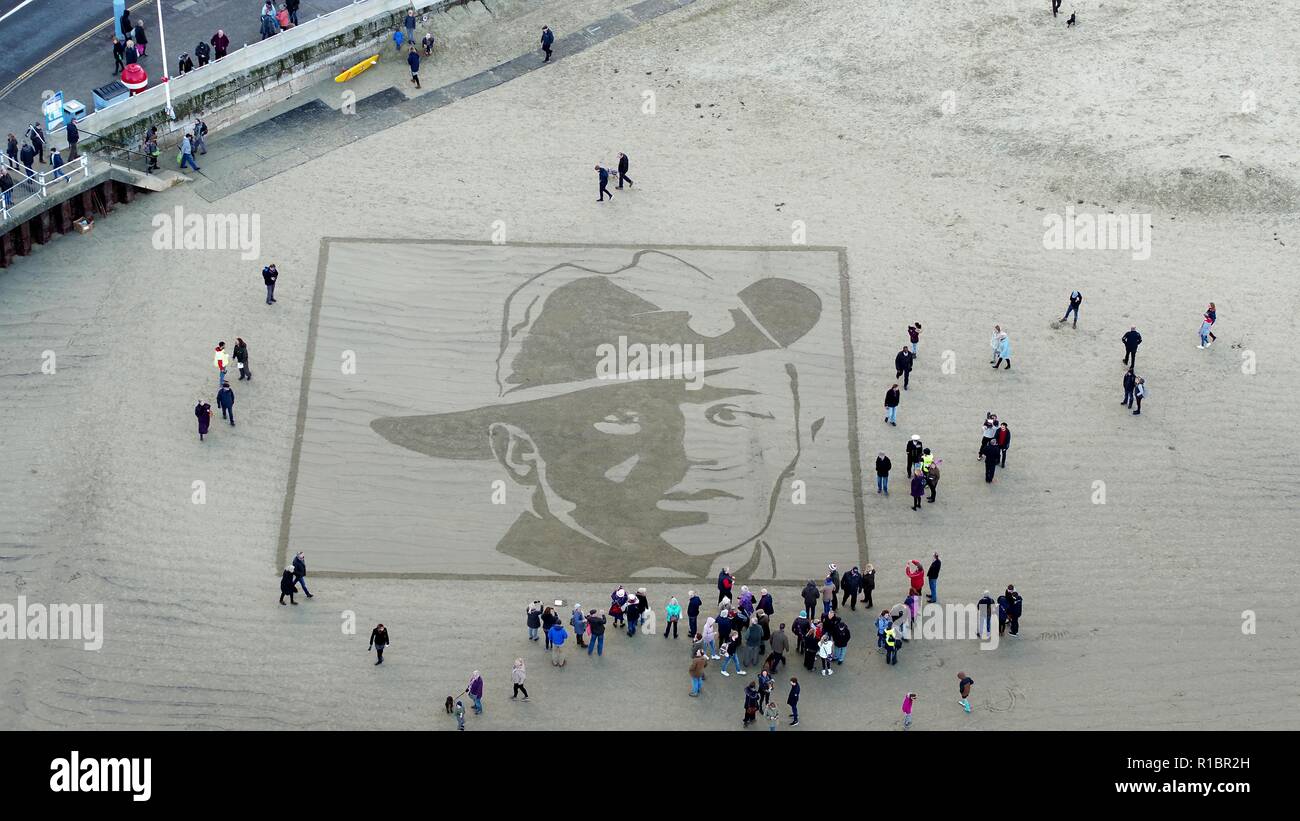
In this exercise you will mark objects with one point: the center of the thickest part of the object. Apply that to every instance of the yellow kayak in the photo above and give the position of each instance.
(357, 69)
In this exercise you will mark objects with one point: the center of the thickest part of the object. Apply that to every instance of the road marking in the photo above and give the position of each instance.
(26, 75)
(15, 10)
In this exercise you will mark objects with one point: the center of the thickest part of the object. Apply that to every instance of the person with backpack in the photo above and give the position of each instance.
(964, 683)
(891, 405)
(725, 581)
(1139, 393)
(269, 275)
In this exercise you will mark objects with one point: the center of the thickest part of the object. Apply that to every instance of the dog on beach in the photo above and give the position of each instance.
(450, 705)
(1073, 19)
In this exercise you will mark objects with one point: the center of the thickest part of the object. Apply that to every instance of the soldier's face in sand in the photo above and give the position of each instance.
(625, 464)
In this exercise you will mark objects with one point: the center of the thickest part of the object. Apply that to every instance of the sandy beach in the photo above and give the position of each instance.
(928, 141)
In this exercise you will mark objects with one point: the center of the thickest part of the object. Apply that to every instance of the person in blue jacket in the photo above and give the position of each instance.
(413, 60)
(548, 37)
(693, 612)
(226, 401)
(1004, 351)
(557, 635)
(579, 622)
(603, 173)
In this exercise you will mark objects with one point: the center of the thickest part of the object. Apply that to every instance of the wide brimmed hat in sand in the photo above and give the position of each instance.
(554, 325)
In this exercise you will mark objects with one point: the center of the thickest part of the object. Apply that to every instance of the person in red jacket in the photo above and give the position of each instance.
(915, 575)
(1003, 438)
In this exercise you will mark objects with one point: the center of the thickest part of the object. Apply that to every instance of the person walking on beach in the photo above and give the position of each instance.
(240, 355)
(891, 404)
(780, 644)
(603, 173)
(1003, 439)
(517, 676)
(286, 585)
(220, 44)
(37, 136)
(226, 401)
(413, 60)
(1056, 6)
(918, 488)
(991, 453)
(914, 336)
(622, 171)
(475, 691)
(793, 701)
(220, 358)
(1139, 393)
(709, 636)
(1003, 352)
(672, 615)
(882, 473)
(964, 683)
(932, 576)
(1130, 380)
(596, 623)
(548, 37)
(903, 364)
(579, 624)
(269, 275)
(915, 575)
(204, 413)
(1076, 298)
(409, 23)
(731, 652)
(1131, 341)
(187, 153)
(379, 640)
(696, 670)
(1207, 327)
(300, 573)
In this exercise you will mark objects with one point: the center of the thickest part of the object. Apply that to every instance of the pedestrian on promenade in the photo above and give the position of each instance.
(204, 52)
(891, 405)
(74, 137)
(908, 701)
(226, 402)
(793, 701)
(985, 626)
(931, 473)
(672, 615)
(1130, 380)
(142, 41)
(548, 621)
(37, 136)
(698, 662)
(7, 187)
(579, 624)
(220, 44)
(286, 585)
(558, 636)
(710, 637)
(184, 64)
(1015, 605)
(129, 54)
(204, 413)
(964, 683)
(56, 162)
(533, 618)
(408, 23)
(731, 652)
(516, 680)
(1004, 351)
(918, 488)
(780, 644)
(152, 152)
(914, 336)
(915, 450)
(622, 171)
(187, 153)
(903, 364)
(868, 583)
(992, 453)
(603, 173)
(772, 713)
(283, 23)
(220, 358)
(725, 583)
(548, 37)
(915, 574)
(1003, 438)
(751, 704)
(125, 24)
(11, 148)
(1076, 299)
(413, 60)
(199, 133)
(292, 7)
(850, 585)
(119, 51)
(300, 572)
(475, 691)
(269, 275)
(427, 42)
(1131, 341)
(1139, 393)
(932, 576)
(27, 156)
(1207, 327)
(240, 355)
(596, 623)
(379, 640)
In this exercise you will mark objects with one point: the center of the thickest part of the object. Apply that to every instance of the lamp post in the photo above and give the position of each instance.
(165, 79)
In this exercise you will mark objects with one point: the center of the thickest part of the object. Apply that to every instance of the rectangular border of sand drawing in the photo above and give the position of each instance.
(850, 389)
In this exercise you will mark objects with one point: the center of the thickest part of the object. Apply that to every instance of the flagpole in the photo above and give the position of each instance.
(166, 78)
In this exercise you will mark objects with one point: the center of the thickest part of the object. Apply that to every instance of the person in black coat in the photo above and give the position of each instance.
(725, 583)
(1131, 341)
(765, 603)
(74, 137)
(413, 60)
(622, 171)
(287, 586)
(269, 275)
(548, 37)
(693, 612)
(811, 595)
(300, 572)
(226, 401)
(11, 148)
(379, 639)
(549, 618)
(868, 584)
(903, 362)
(141, 40)
(240, 353)
(793, 701)
(1014, 605)
(915, 450)
(932, 575)
(603, 173)
(204, 52)
(918, 489)
(1129, 381)
(851, 584)
(991, 455)
(119, 53)
(204, 413)
(882, 473)
(891, 405)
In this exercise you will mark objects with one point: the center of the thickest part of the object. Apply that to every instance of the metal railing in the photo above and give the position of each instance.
(31, 184)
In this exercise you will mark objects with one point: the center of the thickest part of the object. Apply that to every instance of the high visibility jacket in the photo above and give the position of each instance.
(890, 641)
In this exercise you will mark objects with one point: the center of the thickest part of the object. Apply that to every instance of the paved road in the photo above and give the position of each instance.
(34, 30)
